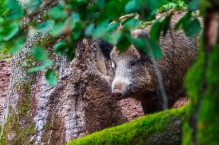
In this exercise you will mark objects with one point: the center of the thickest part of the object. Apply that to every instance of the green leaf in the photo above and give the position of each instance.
(153, 4)
(192, 28)
(132, 6)
(113, 37)
(140, 44)
(89, 30)
(58, 29)
(156, 30)
(131, 23)
(58, 12)
(76, 22)
(101, 3)
(10, 31)
(71, 53)
(51, 77)
(194, 5)
(169, 5)
(183, 20)
(101, 30)
(33, 4)
(113, 26)
(60, 48)
(113, 9)
(166, 24)
(39, 53)
(76, 16)
(46, 26)
(190, 25)
(124, 43)
(147, 46)
(160, 25)
(46, 64)
(155, 49)
(19, 44)
(15, 10)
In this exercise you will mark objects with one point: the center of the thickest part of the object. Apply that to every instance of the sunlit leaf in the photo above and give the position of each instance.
(113, 26)
(46, 64)
(114, 37)
(101, 29)
(131, 23)
(51, 77)
(58, 29)
(39, 53)
(46, 26)
(15, 10)
(194, 5)
(58, 12)
(89, 30)
(33, 4)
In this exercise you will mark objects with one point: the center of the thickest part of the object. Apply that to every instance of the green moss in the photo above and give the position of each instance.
(133, 133)
(20, 131)
(19, 126)
(208, 118)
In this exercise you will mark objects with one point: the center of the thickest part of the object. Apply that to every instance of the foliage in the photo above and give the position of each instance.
(72, 20)
(135, 132)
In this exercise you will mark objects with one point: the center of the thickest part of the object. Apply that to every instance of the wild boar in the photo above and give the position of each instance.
(135, 76)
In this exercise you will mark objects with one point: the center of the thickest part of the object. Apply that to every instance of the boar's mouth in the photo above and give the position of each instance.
(118, 95)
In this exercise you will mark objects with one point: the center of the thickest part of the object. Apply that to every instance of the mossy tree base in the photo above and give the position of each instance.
(162, 128)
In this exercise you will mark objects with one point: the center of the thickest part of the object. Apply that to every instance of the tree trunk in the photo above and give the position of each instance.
(202, 84)
(80, 104)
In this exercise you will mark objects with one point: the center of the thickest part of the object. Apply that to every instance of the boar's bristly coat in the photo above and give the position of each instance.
(135, 77)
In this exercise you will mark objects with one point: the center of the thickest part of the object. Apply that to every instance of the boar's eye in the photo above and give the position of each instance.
(133, 63)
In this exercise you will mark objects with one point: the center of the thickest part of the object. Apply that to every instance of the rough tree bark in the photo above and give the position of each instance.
(79, 105)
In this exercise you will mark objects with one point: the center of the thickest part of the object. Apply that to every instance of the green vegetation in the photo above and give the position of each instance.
(208, 128)
(135, 132)
(69, 21)
(97, 21)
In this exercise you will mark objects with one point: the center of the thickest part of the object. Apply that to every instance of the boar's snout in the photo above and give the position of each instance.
(117, 94)
(119, 89)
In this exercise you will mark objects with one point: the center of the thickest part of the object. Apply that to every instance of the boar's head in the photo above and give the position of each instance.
(132, 75)
(132, 71)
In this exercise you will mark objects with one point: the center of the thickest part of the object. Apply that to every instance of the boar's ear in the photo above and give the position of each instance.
(144, 56)
(141, 34)
(105, 47)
